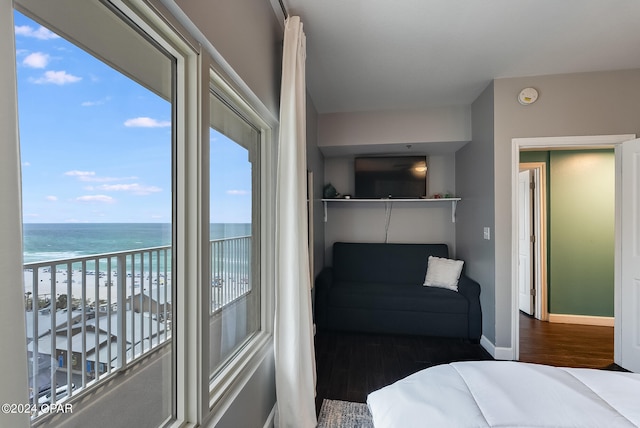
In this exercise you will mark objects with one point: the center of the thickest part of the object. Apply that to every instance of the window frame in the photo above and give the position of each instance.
(186, 71)
(228, 382)
(198, 66)
(14, 388)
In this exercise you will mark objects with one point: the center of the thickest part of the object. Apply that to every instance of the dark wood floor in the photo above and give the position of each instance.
(566, 345)
(350, 366)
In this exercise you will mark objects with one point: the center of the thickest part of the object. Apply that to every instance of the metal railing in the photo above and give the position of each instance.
(230, 270)
(89, 317)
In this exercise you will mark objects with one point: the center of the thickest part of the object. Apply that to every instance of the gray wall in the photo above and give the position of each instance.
(253, 403)
(315, 163)
(474, 184)
(248, 36)
(355, 132)
(436, 132)
(599, 103)
(355, 221)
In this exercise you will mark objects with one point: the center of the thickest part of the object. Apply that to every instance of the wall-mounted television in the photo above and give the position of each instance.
(390, 177)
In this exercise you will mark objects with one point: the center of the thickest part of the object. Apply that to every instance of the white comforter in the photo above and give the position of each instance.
(508, 394)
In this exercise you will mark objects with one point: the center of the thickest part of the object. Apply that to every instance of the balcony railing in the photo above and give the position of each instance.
(90, 317)
(230, 270)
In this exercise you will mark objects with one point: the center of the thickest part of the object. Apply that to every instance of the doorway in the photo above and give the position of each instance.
(557, 143)
(580, 262)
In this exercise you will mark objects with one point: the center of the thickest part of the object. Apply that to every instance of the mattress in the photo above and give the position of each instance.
(508, 394)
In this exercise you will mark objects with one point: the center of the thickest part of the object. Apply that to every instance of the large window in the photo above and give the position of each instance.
(146, 273)
(96, 119)
(234, 211)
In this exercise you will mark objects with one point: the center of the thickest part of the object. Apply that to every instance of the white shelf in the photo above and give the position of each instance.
(453, 201)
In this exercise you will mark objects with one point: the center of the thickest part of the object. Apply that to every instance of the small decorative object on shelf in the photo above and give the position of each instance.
(330, 191)
(447, 195)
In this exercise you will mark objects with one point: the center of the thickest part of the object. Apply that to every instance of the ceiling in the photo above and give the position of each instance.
(377, 55)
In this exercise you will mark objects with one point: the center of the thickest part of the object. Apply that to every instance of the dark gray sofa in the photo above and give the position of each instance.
(375, 287)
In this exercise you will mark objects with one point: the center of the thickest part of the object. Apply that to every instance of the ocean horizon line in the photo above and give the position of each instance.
(47, 241)
(128, 222)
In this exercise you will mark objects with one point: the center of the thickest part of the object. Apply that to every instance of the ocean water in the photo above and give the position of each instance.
(48, 241)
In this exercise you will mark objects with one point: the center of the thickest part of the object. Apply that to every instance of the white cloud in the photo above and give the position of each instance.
(36, 60)
(51, 198)
(134, 188)
(26, 164)
(90, 176)
(95, 103)
(39, 33)
(96, 198)
(56, 78)
(80, 174)
(237, 192)
(110, 179)
(146, 122)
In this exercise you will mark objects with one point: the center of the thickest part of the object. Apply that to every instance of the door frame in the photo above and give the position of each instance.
(571, 142)
(539, 170)
(526, 232)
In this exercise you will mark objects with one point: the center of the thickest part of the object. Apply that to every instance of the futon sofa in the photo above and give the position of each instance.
(378, 288)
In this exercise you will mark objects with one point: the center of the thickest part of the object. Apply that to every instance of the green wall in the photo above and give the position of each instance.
(581, 187)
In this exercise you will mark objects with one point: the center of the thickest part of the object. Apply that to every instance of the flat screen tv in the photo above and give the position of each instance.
(391, 177)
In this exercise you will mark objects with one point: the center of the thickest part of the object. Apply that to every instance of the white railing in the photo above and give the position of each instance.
(89, 317)
(230, 270)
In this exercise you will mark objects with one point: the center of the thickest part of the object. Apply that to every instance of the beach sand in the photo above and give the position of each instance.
(97, 284)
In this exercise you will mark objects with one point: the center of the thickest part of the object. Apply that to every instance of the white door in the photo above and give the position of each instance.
(524, 243)
(628, 302)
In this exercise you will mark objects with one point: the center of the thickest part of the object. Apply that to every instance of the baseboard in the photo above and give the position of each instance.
(496, 352)
(270, 422)
(582, 319)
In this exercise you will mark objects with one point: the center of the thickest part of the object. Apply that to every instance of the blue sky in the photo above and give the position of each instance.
(96, 146)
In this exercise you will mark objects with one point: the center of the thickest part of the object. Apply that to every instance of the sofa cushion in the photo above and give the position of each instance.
(384, 263)
(397, 297)
(443, 273)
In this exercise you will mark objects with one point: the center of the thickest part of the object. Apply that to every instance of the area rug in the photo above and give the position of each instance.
(344, 414)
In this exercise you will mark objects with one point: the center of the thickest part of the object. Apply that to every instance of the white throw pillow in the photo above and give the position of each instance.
(443, 273)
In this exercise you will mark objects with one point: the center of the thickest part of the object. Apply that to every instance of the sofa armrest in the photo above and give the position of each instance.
(323, 284)
(471, 290)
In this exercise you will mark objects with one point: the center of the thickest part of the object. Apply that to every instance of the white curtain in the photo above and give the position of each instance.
(293, 336)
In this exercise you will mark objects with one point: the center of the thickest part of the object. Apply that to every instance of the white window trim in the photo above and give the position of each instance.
(186, 375)
(229, 382)
(194, 403)
(13, 388)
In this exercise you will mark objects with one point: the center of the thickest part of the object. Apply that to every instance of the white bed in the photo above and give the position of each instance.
(508, 394)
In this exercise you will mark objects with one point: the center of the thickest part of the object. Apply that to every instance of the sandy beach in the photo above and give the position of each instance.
(98, 284)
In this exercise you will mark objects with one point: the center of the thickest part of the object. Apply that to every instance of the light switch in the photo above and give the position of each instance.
(487, 233)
